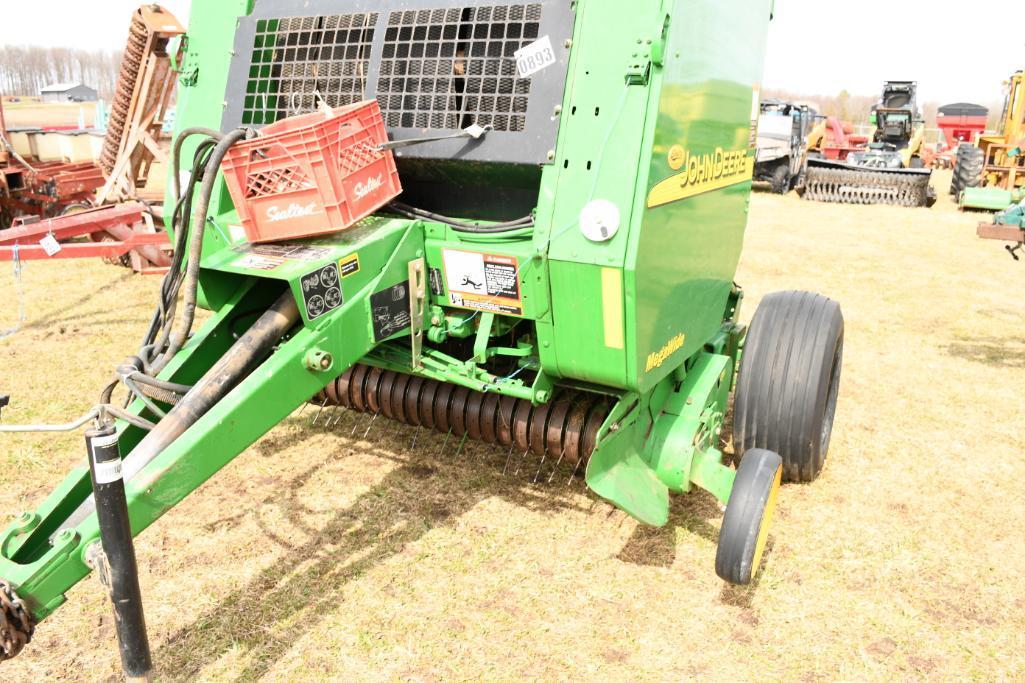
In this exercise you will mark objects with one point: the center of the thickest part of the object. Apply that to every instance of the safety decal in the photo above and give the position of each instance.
(483, 282)
(434, 280)
(321, 291)
(390, 310)
(257, 262)
(349, 265)
(292, 252)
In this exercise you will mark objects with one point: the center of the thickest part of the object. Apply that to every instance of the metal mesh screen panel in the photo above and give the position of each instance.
(296, 57)
(450, 68)
(433, 65)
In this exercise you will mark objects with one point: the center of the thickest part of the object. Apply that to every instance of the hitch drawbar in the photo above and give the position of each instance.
(116, 564)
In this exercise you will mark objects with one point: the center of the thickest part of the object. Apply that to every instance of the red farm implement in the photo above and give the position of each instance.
(834, 140)
(959, 123)
(121, 233)
(44, 189)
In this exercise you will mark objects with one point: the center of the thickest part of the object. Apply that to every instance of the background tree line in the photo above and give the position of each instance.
(24, 70)
(856, 108)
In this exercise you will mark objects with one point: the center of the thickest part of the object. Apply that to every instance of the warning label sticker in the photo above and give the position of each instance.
(257, 262)
(321, 292)
(294, 252)
(107, 472)
(484, 282)
(349, 265)
(271, 256)
(391, 311)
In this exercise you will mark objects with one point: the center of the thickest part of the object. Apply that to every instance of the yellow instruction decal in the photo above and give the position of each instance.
(349, 265)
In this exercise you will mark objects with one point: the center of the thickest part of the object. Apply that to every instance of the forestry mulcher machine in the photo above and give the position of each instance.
(558, 278)
(890, 170)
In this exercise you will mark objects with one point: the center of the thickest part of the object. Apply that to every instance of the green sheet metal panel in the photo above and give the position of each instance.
(683, 261)
(660, 111)
(598, 156)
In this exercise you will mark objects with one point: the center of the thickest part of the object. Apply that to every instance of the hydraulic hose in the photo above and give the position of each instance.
(176, 149)
(178, 336)
(171, 284)
(233, 366)
(463, 226)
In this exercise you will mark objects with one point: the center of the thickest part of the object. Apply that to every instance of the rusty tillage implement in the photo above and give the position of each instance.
(556, 279)
(45, 188)
(141, 102)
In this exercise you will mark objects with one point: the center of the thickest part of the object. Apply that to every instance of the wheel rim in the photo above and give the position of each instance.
(831, 396)
(767, 514)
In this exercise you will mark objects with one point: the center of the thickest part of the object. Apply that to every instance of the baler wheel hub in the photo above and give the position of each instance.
(16, 626)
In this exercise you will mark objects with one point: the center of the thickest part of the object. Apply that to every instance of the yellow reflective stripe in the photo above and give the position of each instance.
(612, 307)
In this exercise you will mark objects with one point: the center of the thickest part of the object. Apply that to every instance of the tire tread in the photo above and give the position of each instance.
(782, 392)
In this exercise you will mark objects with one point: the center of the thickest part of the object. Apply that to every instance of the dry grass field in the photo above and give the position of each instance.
(348, 553)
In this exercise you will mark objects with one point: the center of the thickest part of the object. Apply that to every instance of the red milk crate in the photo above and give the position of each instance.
(312, 174)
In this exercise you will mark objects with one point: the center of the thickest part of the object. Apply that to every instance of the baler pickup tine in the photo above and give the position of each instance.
(369, 427)
(319, 411)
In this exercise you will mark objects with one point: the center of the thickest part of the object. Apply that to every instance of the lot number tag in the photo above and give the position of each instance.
(50, 245)
(535, 57)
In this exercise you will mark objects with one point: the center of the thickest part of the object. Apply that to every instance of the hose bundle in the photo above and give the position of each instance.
(166, 335)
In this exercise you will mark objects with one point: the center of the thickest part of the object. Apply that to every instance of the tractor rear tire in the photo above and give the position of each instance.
(789, 380)
(967, 169)
(781, 179)
(748, 517)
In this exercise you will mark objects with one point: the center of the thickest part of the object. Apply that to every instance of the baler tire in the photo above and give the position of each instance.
(788, 381)
(748, 518)
(955, 183)
(968, 170)
(781, 179)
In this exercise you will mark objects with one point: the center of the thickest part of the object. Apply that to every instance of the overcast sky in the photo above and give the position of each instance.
(814, 46)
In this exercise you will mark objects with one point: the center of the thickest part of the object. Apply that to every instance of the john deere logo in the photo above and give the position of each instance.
(677, 157)
(700, 173)
(657, 359)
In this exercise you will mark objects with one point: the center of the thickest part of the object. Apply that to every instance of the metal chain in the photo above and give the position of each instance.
(16, 627)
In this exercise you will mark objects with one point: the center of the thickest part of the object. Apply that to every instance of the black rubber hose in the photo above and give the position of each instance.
(178, 336)
(176, 152)
(226, 373)
(462, 226)
(172, 280)
(156, 393)
(160, 384)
